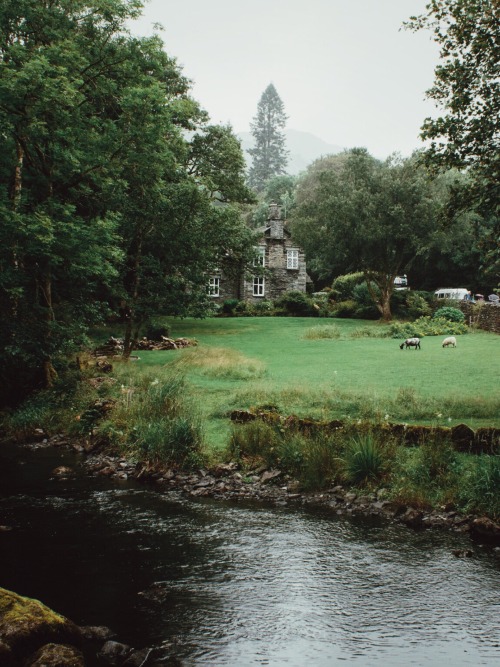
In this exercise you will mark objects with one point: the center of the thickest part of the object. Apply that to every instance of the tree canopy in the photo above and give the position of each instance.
(114, 188)
(355, 213)
(466, 87)
(269, 155)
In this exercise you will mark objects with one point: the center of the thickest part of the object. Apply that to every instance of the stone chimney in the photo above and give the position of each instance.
(275, 222)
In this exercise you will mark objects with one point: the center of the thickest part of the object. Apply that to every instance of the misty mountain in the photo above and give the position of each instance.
(304, 148)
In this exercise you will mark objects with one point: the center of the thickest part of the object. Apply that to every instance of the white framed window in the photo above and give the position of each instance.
(292, 259)
(260, 260)
(214, 286)
(258, 286)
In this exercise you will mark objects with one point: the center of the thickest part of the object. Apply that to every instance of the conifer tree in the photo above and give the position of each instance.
(269, 155)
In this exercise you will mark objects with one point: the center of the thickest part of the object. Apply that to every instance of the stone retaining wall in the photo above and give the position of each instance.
(483, 315)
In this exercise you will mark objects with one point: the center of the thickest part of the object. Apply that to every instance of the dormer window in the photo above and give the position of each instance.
(292, 259)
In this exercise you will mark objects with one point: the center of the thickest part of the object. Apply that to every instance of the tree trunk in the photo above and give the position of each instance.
(132, 286)
(45, 285)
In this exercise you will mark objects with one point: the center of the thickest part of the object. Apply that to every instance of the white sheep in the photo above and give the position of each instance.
(451, 340)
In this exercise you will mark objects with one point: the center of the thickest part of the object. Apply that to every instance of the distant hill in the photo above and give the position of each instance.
(304, 148)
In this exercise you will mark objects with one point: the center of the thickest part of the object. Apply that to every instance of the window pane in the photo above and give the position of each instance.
(214, 286)
(292, 259)
(258, 286)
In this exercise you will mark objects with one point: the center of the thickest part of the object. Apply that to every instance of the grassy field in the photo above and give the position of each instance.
(243, 362)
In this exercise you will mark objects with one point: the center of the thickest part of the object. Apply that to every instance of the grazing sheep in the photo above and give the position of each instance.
(411, 342)
(451, 340)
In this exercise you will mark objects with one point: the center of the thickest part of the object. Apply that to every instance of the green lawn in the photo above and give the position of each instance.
(343, 377)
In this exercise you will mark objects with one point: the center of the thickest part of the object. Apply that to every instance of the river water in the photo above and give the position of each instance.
(232, 584)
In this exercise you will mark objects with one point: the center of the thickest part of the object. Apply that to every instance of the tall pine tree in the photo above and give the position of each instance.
(269, 156)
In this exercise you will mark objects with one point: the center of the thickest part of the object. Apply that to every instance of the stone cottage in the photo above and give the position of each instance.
(283, 263)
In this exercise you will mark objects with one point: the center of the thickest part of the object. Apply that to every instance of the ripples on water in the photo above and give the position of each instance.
(249, 585)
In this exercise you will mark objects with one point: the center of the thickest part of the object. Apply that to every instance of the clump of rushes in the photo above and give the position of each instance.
(480, 490)
(154, 420)
(364, 459)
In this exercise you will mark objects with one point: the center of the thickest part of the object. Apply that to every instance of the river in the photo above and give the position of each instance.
(241, 584)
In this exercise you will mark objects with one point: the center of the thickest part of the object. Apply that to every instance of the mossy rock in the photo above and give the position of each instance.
(26, 624)
(56, 655)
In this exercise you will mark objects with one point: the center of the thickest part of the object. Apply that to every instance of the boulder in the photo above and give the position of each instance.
(114, 653)
(56, 655)
(26, 625)
(486, 529)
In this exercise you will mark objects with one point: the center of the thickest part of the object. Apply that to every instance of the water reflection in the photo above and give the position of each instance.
(246, 585)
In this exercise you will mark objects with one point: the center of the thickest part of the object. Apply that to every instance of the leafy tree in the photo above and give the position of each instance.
(466, 86)
(269, 156)
(360, 214)
(112, 182)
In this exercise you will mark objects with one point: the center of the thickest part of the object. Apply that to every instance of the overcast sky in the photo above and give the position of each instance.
(344, 69)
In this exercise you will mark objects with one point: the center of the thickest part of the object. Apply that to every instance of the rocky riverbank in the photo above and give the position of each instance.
(33, 635)
(228, 482)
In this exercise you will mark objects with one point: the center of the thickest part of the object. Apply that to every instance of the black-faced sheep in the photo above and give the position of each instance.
(411, 342)
(450, 341)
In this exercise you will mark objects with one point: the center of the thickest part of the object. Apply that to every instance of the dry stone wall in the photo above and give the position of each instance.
(483, 315)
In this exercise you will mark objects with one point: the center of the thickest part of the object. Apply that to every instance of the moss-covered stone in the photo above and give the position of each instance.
(26, 624)
(56, 655)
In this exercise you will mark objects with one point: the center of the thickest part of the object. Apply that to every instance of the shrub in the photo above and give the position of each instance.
(343, 286)
(263, 308)
(417, 306)
(229, 306)
(344, 308)
(155, 330)
(449, 313)
(257, 439)
(427, 326)
(295, 303)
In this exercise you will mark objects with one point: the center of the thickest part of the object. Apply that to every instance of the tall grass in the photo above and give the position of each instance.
(480, 490)
(154, 419)
(364, 459)
(221, 362)
(321, 332)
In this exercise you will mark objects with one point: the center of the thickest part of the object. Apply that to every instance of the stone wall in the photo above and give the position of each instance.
(483, 315)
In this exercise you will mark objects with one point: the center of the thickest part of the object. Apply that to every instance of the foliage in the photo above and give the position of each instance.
(279, 190)
(269, 155)
(427, 326)
(344, 308)
(466, 88)
(449, 313)
(229, 306)
(343, 286)
(156, 329)
(417, 305)
(114, 188)
(356, 213)
(295, 303)
(479, 490)
(364, 459)
(155, 421)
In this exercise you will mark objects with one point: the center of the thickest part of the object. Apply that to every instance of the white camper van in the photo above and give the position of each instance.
(457, 293)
